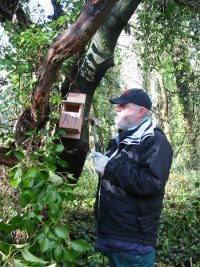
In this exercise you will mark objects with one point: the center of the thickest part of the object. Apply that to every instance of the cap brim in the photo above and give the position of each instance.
(118, 100)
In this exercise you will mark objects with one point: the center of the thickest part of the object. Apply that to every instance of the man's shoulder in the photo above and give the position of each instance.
(158, 133)
(159, 137)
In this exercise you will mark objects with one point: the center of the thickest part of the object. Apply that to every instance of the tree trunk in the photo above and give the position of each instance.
(88, 70)
(85, 76)
(57, 8)
(164, 111)
(67, 44)
(185, 92)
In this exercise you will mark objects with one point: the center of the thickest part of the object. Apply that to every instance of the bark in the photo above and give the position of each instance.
(67, 44)
(164, 110)
(192, 4)
(87, 73)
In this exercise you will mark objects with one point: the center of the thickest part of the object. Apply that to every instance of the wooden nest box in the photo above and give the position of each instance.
(72, 112)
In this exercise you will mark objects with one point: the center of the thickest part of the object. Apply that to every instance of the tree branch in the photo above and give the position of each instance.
(67, 44)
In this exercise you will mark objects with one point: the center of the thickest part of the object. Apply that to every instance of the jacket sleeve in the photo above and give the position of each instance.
(149, 176)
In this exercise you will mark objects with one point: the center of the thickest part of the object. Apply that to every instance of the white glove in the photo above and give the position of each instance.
(100, 162)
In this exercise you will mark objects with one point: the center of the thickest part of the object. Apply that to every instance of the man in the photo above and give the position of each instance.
(133, 174)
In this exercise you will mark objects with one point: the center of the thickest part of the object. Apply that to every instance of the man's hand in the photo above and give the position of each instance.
(100, 162)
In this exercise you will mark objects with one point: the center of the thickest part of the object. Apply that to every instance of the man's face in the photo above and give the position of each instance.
(128, 115)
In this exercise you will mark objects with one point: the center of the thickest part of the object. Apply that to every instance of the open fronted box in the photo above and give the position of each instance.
(72, 112)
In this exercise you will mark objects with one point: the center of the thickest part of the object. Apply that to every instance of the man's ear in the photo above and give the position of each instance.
(142, 111)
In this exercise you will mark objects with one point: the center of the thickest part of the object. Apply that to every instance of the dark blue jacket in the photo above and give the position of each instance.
(130, 193)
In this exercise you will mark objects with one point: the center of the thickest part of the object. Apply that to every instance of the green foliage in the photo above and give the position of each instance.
(178, 241)
(49, 222)
(43, 194)
(22, 53)
(167, 44)
(72, 7)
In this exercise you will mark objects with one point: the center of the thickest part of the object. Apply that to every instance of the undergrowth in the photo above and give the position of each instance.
(178, 241)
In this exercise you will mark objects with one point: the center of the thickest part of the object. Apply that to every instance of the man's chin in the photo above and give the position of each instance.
(121, 126)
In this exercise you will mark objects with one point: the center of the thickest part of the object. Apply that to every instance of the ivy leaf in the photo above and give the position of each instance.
(59, 148)
(61, 232)
(30, 132)
(70, 255)
(32, 172)
(20, 245)
(4, 248)
(80, 245)
(17, 263)
(62, 163)
(19, 155)
(5, 227)
(30, 257)
(57, 251)
(18, 173)
(44, 245)
(15, 182)
(55, 179)
(28, 182)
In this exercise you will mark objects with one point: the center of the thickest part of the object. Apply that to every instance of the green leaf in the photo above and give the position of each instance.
(30, 257)
(31, 172)
(17, 263)
(16, 221)
(19, 155)
(59, 148)
(57, 251)
(4, 247)
(61, 232)
(70, 255)
(16, 182)
(30, 133)
(44, 245)
(20, 245)
(28, 182)
(5, 227)
(18, 173)
(54, 178)
(28, 225)
(62, 163)
(52, 245)
(80, 245)
(51, 167)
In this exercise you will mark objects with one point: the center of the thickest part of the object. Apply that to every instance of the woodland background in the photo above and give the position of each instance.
(47, 182)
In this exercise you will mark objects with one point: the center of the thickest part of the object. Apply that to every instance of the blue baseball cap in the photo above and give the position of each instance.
(135, 96)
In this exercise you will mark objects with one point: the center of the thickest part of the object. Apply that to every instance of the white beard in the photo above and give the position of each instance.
(121, 125)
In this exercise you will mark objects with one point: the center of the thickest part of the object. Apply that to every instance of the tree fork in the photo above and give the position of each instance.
(87, 72)
(67, 44)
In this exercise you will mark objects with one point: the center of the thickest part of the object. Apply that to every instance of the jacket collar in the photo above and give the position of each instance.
(140, 133)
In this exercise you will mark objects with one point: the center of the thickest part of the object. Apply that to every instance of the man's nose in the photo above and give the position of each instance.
(118, 108)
